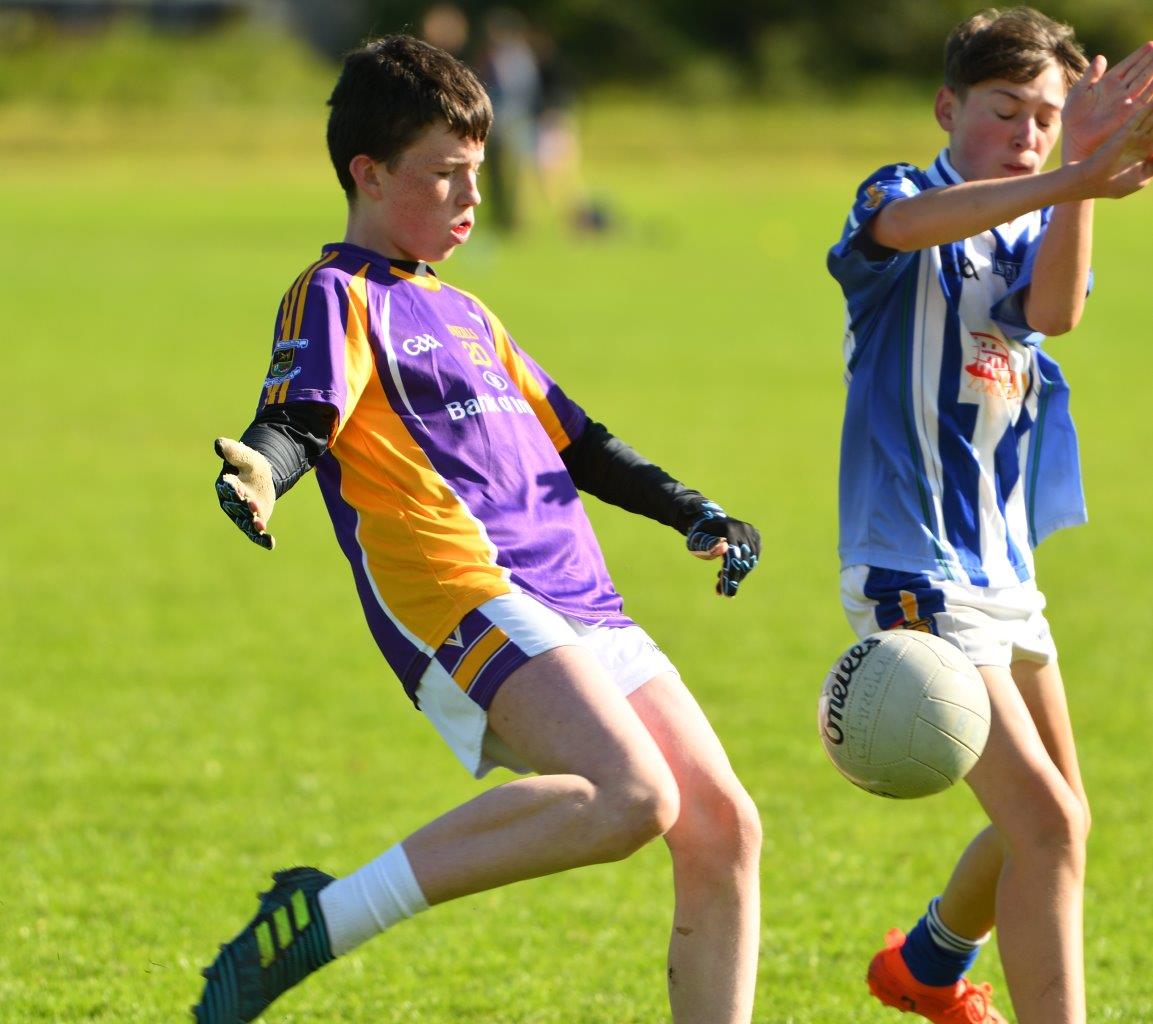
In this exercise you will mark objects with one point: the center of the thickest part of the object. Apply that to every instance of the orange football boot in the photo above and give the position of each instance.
(892, 983)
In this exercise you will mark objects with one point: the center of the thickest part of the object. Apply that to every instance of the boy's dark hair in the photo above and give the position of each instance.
(1016, 45)
(389, 91)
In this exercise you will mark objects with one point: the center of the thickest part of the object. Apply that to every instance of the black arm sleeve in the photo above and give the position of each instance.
(292, 437)
(609, 469)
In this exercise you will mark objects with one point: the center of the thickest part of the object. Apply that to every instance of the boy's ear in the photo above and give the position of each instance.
(945, 107)
(366, 173)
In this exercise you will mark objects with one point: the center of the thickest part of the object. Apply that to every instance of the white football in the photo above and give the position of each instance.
(903, 714)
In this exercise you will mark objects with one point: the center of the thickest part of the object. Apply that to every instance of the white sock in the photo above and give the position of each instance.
(371, 899)
(944, 936)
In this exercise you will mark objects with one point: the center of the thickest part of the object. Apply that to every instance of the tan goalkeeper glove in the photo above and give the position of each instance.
(245, 491)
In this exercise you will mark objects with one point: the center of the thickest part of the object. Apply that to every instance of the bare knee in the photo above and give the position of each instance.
(633, 812)
(1087, 812)
(719, 827)
(1053, 826)
(1068, 823)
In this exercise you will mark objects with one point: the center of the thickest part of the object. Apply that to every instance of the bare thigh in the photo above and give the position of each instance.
(562, 714)
(1016, 778)
(1043, 692)
(685, 736)
(715, 809)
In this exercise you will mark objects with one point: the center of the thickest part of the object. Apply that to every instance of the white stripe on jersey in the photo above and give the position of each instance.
(997, 416)
(403, 630)
(993, 418)
(1032, 406)
(925, 376)
(390, 352)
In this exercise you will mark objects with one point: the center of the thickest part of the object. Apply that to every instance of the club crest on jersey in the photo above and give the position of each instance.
(874, 195)
(283, 356)
(991, 371)
(276, 380)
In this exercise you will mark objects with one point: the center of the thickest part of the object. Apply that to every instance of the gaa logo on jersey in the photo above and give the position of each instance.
(421, 343)
(494, 380)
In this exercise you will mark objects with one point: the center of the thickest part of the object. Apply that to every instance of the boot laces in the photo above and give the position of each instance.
(976, 1000)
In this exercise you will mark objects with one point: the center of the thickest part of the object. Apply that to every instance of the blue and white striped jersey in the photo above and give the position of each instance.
(958, 453)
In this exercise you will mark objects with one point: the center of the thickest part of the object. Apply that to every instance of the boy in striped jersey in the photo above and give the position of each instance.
(959, 455)
(450, 463)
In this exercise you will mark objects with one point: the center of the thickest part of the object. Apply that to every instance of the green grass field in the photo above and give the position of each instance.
(183, 713)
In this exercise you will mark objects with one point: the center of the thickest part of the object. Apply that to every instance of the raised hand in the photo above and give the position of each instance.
(245, 491)
(1102, 100)
(1123, 164)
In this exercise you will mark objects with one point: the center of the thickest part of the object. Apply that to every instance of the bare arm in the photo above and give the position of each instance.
(942, 215)
(1056, 298)
(1098, 105)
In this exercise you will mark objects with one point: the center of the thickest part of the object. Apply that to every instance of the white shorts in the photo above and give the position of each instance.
(493, 641)
(991, 625)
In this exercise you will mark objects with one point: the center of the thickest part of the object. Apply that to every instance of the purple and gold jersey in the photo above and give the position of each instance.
(443, 476)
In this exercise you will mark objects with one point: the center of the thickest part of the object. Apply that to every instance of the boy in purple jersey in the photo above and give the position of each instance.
(958, 455)
(450, 463)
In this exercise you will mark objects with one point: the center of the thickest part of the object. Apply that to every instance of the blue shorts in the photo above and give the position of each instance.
(494, 640)
(991, 625)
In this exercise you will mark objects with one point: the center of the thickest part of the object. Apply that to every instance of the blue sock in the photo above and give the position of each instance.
(936, 955)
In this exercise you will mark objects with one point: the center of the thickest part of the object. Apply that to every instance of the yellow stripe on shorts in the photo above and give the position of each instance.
(489, 643)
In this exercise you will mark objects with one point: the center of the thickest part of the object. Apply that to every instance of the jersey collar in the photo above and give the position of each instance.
(408, 268)
(943, 172)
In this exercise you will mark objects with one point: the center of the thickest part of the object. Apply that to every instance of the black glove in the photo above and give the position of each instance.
(743, 541)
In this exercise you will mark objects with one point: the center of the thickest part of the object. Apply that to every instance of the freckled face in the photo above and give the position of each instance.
(1003, 129)
(427, 202)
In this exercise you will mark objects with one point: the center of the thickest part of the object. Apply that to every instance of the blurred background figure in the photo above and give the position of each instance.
(557, 151)
(446, 25)
(507, 64)
(533, 151)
